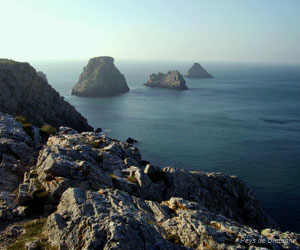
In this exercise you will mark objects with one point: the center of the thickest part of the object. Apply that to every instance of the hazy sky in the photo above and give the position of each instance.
(224, 30)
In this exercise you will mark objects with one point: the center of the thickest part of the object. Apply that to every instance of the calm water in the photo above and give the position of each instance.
(244, 122)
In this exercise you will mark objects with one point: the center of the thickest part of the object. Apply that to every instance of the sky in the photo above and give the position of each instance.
(181, 30)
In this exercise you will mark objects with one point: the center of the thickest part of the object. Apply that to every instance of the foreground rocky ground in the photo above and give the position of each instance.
(89, 191)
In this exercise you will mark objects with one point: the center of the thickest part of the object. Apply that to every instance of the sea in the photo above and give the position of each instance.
(245, 122)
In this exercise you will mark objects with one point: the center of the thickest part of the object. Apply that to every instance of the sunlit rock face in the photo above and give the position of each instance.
(100, 78)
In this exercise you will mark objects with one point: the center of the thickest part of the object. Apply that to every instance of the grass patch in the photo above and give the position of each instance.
(94, 144)
(48, 130)
(21, 119)
(33, 231)
(25, 124)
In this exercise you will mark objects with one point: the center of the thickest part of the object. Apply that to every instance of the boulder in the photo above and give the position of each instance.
(24, 93)
(197, 71)
(100, 78)
(107, 219)
(172, 80)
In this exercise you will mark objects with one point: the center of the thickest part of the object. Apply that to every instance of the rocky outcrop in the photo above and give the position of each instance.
(197, 71)
(98, 194)
(172, 80)
(113, 219)
(17, 154)
(100, 78)
(23, 92)
(42, 75)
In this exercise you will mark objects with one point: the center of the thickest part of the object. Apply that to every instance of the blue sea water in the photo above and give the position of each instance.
(244, 122)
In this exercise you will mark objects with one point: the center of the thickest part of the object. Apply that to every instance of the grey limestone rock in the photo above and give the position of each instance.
(100, 78)
(24, 93)
(113, 219)
(172, 79)
(197, 71)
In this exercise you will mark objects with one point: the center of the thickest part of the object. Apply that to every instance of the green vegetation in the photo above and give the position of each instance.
(33, 231)
(174, 238)
(48, 130)
(94, 144)
(25, 124)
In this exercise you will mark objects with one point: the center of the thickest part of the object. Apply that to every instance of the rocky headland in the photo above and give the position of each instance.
(197, 71)
(100, 78)
(89, 191)
(172, 80)
(43, 75)
(24, 92)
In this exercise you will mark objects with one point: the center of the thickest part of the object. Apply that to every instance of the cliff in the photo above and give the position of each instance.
(100, 78)
(95, 192)
(25, 93)
(197, 71)
(172, 80)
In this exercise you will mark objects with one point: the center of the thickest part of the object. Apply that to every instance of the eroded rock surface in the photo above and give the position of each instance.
(113, 219)
(17, 155)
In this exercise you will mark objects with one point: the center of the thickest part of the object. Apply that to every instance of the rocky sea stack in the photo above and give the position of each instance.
(100, 78)
(172, 80)
(197, 71)
(24, 92)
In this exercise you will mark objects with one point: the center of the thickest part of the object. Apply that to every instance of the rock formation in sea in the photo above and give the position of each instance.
(24, 93)
(172, 80)
(94, 192)
(197, 71)
(100, 78)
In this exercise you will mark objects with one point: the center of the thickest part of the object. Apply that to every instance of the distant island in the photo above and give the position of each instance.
(172, 80)
(197, 71)
(100, 78)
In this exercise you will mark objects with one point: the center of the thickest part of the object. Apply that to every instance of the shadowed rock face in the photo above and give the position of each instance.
(197, 71)
(100, 78)
(24, 92)
(43, 75)
(172, 80)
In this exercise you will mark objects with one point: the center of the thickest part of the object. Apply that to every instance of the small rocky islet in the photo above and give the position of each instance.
(197, 71)
(100, 78)
(84, 190)
(172, 80)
